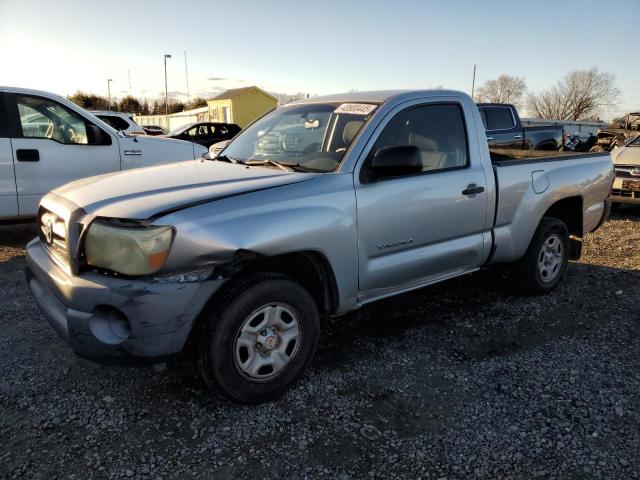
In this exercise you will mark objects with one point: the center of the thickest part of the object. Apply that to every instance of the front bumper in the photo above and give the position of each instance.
(622, 195)
(116, 320)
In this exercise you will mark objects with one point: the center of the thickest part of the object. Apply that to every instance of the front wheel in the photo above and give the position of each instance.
(258, 338)
(543, 265)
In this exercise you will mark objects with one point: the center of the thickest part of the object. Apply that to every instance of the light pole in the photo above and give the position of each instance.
(166, 92)
(473, 83)
(109, 90)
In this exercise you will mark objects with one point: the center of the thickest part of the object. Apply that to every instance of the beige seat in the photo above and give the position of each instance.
(432, 159)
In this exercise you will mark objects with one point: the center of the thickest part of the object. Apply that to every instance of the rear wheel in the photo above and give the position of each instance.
(543, 265)
(258, 338)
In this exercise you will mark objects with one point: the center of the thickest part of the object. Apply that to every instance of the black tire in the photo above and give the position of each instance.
(526, 274)
(227, 314)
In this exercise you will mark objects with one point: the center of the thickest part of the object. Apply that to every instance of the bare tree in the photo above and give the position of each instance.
(580, 95)
(284, 98)
(504, 89)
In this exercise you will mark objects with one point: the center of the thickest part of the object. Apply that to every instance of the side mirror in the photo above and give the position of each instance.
(96, 136)
(396, 161)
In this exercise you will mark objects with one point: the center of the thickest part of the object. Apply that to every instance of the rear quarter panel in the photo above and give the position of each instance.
(520, 208)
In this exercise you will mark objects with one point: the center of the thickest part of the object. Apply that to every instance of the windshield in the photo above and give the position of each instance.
(314, 136)
(179, 130)
(635, 142)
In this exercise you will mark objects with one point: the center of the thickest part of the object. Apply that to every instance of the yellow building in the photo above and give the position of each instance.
(240, 105)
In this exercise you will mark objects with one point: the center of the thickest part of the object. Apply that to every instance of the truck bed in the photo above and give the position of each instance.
(505, 157)
(529, 182)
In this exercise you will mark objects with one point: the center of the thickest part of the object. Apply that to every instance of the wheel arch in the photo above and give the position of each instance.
(570, 211)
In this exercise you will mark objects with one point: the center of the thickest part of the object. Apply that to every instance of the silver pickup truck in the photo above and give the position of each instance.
(242, 255)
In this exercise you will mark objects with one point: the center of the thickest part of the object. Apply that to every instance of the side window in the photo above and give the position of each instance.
(500, 118)
(116, 122)
(437, 130)
(203, 130)
(192, 131)
(44, 118)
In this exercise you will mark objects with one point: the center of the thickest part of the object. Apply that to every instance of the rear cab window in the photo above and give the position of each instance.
(499, 118)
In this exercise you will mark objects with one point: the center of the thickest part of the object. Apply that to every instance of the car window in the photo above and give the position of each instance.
(483, 115)
(192, 132)
(114, 121)
(44, 118)
(500, 118)
(437, 130)
(203, 130)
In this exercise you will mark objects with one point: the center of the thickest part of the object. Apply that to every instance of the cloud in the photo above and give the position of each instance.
(210, 92)
(173, 93)
(216, 79)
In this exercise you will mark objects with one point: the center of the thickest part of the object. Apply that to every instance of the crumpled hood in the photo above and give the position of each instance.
(145, 192)
(626, 156)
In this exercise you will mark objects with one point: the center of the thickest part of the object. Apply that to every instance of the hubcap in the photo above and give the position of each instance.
(550, 258)
(267, 341)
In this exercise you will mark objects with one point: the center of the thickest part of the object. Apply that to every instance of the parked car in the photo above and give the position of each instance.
(205, 133)
(505, 130)
(626, 161)
(47, 141)
(618, 133)
(154, 130)
(241, 256)
(120, 121)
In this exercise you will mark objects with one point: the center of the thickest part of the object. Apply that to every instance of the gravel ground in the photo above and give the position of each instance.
(462, 380)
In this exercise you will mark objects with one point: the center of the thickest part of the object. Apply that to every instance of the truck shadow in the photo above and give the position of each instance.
(479, 316)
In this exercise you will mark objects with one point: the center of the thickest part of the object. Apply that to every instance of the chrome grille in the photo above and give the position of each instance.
(624, 171)
(53, 234)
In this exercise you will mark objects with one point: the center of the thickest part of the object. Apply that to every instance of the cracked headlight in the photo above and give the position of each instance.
(127, 250)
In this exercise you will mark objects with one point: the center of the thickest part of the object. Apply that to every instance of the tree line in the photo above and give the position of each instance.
(579, 95)
(129, 104)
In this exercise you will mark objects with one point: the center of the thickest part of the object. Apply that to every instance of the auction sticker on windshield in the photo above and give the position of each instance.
(356, 108)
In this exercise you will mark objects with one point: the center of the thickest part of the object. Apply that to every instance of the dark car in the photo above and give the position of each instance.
(206, 133)
(505, 130)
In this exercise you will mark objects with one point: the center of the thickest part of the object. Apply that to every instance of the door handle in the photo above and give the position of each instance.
(517, 136)
(133, 152)
(472, 189)
(27, 155)
(489, 139)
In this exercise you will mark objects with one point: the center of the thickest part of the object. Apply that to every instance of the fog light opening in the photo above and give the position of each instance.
(109, 325)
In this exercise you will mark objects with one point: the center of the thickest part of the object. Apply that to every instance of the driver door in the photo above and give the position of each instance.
(50, 149)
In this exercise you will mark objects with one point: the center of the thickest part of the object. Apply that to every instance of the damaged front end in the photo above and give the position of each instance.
(113, 319)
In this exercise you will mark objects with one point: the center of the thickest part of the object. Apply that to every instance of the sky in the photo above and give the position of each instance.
(316, 47)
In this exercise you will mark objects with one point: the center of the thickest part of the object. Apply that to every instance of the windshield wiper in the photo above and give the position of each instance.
(225, 158)
(283, 166)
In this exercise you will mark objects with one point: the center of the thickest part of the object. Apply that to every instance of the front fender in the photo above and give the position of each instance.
(318, 215)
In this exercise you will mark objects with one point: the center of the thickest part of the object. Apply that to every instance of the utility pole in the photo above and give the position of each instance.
(473, 83)
(166, 91)
(186, 74)
(109, 90)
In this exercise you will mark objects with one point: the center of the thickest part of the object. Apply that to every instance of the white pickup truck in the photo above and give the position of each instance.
(47, 141)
